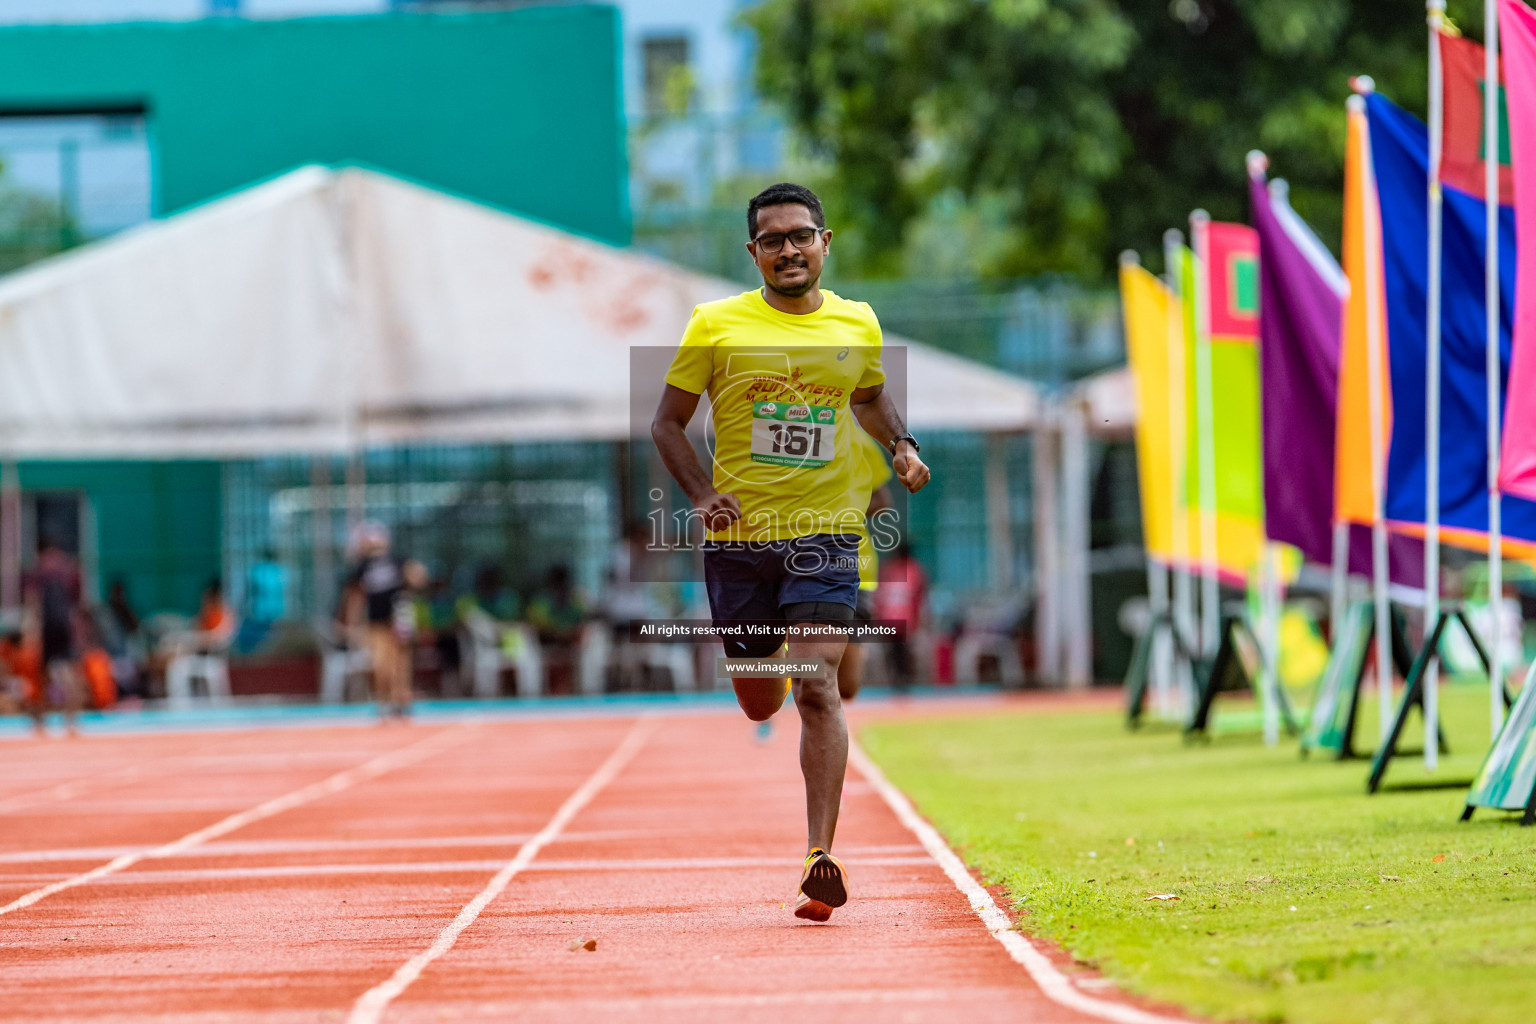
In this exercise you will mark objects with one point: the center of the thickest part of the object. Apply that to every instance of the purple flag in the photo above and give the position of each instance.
(1302, 291)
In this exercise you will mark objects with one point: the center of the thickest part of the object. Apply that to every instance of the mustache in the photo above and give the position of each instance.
(785, 264)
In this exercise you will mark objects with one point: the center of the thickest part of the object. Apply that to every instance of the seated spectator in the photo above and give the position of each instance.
(121, 608)
(118, 633)
(557, 612)
(492, 596)
(213, 615)
(21, 672)
(266, 600)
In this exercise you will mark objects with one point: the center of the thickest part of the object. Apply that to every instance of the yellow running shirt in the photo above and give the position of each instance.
(872, 471)
(778, 386)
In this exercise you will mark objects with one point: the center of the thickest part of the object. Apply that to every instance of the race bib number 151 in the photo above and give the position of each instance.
(790, 434)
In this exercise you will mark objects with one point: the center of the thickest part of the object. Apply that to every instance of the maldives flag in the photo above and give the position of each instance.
(1464, 148)
(1224, 272)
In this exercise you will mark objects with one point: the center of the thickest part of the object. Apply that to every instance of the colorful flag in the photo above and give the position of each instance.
(1231, 293)
(1517, 474)
(1400, 160)
(1301, 321)
(1147, 305)
(1301, 311)
(1353, 479)
(1464, 149)
(1364, 322)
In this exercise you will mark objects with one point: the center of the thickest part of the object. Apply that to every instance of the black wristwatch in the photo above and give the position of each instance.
(904, 437)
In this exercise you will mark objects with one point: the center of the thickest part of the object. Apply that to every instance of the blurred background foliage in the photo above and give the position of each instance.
(1000, 138)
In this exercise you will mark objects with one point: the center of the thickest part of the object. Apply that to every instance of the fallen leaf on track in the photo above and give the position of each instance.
(590, 945)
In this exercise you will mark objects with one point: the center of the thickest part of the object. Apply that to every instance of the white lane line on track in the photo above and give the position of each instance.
(1055, 985)
(463, 866)
(335, 784)
(655, 1005)
(266, 847)
(70, 790)
(104, 779)
(370, 1006)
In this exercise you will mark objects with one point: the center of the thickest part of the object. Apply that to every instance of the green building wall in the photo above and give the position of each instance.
(159, 525)
(521, 109)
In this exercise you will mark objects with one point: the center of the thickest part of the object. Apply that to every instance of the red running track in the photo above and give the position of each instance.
(283, 876)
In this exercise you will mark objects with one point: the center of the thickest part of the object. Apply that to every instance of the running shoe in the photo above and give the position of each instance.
(823, 886)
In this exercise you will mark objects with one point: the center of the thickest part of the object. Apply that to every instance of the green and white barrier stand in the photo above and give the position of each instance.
(1236, 666)
(1335, 709)
(1138, 676)
(1507, 780)
(1413, 694)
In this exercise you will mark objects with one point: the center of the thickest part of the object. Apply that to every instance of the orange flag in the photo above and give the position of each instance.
(1365, 323)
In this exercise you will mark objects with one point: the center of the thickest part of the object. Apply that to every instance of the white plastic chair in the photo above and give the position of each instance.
(491, 646)
(633, 657)
(972, 647)
(593, 653)
(679, 659)
(340, 665)
(198, 656)
(988, 630)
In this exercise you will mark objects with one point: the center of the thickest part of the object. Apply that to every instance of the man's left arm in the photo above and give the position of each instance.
(877, 414)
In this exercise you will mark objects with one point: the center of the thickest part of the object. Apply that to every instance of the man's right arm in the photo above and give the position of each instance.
(669, 429)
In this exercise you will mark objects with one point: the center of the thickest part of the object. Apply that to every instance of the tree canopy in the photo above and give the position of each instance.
(1074, 129)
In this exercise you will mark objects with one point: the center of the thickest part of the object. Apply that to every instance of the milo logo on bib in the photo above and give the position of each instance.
(793, 434)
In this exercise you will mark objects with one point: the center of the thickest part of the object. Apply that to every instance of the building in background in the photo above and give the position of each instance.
(103, 126)
(695, 139)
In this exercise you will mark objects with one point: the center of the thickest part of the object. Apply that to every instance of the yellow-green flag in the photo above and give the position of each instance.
(1227, 284)
(1148, 305)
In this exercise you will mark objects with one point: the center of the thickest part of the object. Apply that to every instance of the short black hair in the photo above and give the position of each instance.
(784, 194)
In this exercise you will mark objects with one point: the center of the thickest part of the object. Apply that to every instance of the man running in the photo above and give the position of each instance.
(788, 369)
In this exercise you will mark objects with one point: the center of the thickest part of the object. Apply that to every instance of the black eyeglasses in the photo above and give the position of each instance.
(800, 238)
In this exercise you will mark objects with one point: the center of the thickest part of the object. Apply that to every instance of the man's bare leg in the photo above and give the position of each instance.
(823, 740)
(761, 698)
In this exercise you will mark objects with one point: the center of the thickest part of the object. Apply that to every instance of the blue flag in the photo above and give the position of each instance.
(1400, 157)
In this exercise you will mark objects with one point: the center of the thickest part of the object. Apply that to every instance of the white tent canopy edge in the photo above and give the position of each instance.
(329, 309)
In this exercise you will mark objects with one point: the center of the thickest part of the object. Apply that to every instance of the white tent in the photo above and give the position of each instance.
(326, 309)
(1107, 401)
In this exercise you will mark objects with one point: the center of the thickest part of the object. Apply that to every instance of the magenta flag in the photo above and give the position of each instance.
(1301, 324)
(1517, 26)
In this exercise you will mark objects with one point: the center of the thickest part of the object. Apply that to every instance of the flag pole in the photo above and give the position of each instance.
(1495, 410)
(1183, 588)
(1376, 377)
(1338, 588)
(1205, 439)
(1271, 590)
(1436, 9)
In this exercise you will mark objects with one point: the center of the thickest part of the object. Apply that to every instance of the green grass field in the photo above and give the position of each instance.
(1300, 898)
